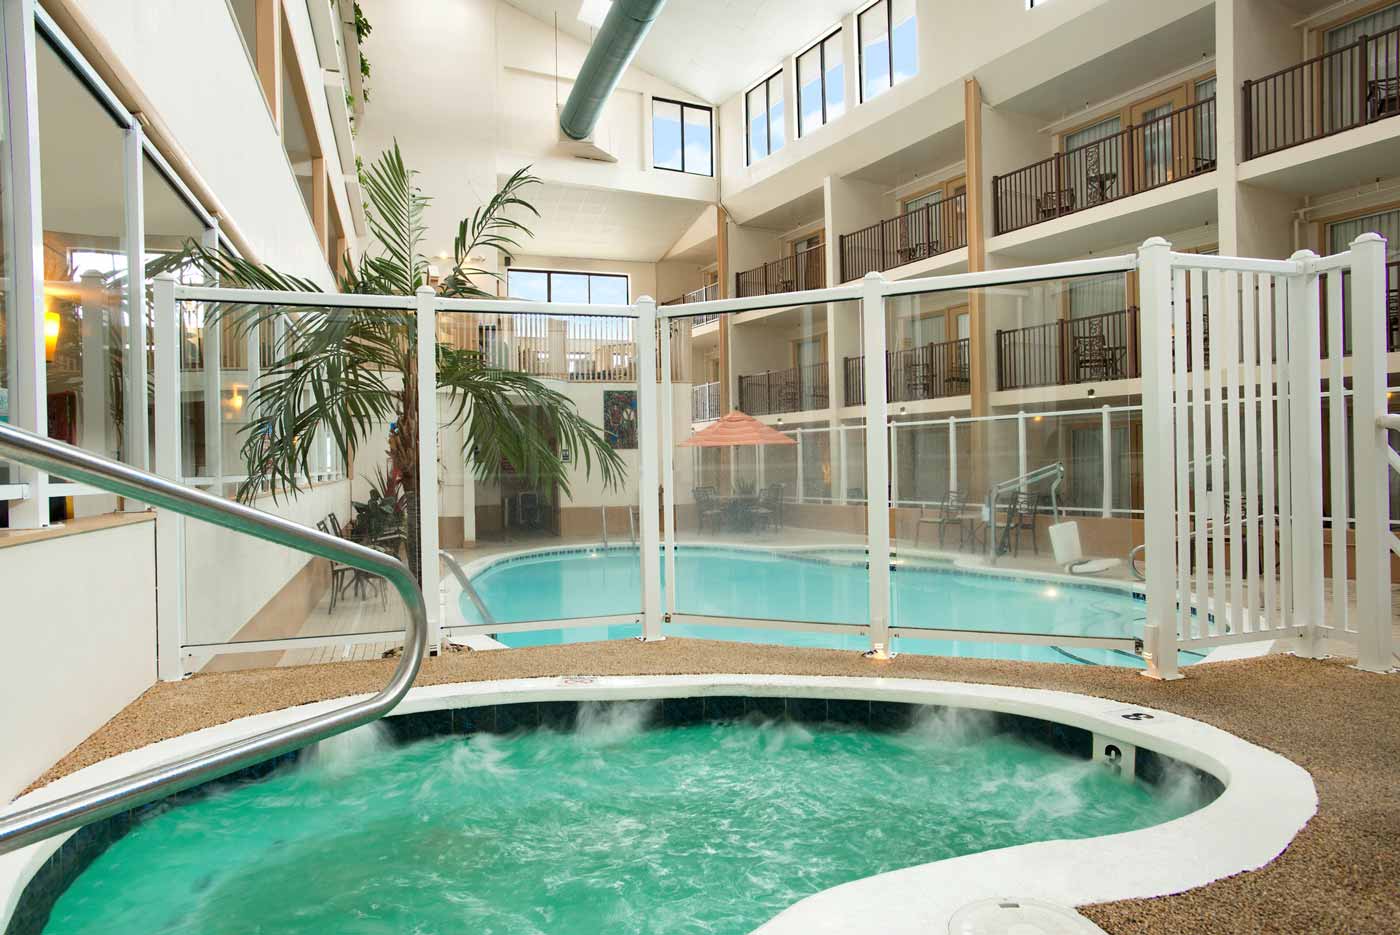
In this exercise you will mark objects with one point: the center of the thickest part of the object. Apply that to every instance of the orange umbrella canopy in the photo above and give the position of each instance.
(737, 428)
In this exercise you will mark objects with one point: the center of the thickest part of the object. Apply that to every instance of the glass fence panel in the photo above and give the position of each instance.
(265, 435)
(972, 505)
(538, 491)
(770, 504)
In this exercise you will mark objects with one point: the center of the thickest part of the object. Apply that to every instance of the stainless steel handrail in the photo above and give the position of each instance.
(23, 828)
(466, 585)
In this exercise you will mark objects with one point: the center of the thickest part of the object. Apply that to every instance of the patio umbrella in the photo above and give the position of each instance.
(735, 429)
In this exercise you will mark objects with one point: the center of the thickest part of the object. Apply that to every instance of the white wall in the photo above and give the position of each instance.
(230, 576)
(79, 628)
(189, 60)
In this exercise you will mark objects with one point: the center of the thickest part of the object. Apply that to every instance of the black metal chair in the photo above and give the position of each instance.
(342, 576)
(709, 508)
(1024, 512)
(951, 512)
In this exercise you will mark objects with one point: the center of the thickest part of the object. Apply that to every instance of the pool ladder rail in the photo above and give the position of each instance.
(23, 828)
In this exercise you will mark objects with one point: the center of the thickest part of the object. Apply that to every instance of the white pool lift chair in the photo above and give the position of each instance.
(1069, 554)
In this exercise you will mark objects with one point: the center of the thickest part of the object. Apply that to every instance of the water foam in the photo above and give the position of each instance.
(345, 752)
(611, 723)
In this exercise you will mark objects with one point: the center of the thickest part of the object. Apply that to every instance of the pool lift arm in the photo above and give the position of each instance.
(1020, 482)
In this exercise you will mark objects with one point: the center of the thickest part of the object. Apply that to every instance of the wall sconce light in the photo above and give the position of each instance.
(53, 323)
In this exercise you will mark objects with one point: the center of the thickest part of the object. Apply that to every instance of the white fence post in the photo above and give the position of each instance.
(28, 407)
(1106, 427)
(170, 526)
(647, 480)
(1370, 456)
(1022, 453)
(1305, 456)
(801, 457)
(1158, 451)
(952, 454)
(137, 428)
(668, 464)
(877, 464)
(430, 565)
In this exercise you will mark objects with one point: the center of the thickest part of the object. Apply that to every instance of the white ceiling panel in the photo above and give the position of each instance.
(606, 225)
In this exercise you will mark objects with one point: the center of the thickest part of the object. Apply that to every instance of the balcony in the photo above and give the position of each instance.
(805, 269)
(1339, 90)
(933, 371)
(796, 389)
(1139, 158)
(703, 294)
(704, 402)
(1065, 352)
(922, 233)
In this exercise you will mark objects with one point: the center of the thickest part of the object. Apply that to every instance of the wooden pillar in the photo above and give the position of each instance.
(320, 206)
(269, 55)
(979, 379)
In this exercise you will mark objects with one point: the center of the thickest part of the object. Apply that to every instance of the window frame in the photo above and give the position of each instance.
(889, 47)
(820, 47)
(767, 85)
(549, 275)
(709, 116)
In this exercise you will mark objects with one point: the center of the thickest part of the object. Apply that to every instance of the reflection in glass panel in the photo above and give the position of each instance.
(776, 127)
(699, 151)
(666, 135)
(6, 310)
(170, 224)
(757, 107)
(809, 90)
(85, 287)
(835, 77)
(874, 51)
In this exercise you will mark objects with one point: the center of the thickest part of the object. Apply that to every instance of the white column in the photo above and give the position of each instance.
(894, 464)
(1106, 428)
(842, 480)
(1370, 456)
(647, 475)
(138, 430)
(213, 386)
(170, 526)
(877, 463)
(668, 462)
(1158, 441)
(29, 372)
(952, 453)
(1305, 439)
(426, 319)
(1022, 466)
(801, 457)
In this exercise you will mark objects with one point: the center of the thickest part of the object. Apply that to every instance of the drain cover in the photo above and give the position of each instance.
(1019, 917)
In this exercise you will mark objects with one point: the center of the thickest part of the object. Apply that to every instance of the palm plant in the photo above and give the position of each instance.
(342, 372)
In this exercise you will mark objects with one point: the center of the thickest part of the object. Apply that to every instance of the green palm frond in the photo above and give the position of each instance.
(491, 225)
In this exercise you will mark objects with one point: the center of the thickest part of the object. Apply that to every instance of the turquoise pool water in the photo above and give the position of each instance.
(712, 828)
(827, 588)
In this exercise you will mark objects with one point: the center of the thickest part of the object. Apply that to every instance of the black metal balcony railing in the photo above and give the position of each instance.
(1143, 156)
(703, 294)
(1064, 352)
(1338, 90)
(931, 371)
(1392, 316)
(796, 389)
(704, 402)
(922, 233)
(805, 269)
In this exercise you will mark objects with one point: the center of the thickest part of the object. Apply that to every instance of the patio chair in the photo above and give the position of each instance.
(1055, 202)
(342, 576)
(1025, 510)
(762, 512)
(950, 513)
(527, 510)
(708, 507)
(1093, 356)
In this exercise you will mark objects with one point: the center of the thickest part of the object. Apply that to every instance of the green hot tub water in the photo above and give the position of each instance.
(613, 827)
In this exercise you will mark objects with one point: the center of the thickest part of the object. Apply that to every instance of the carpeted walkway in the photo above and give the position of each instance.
(1341, 875)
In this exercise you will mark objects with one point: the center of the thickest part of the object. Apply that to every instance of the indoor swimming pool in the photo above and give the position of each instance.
(828, 586)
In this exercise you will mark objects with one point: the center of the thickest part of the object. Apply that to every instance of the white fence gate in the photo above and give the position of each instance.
(1239, 548)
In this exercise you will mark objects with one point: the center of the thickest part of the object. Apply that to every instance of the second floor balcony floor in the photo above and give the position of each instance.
(1164, 144)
